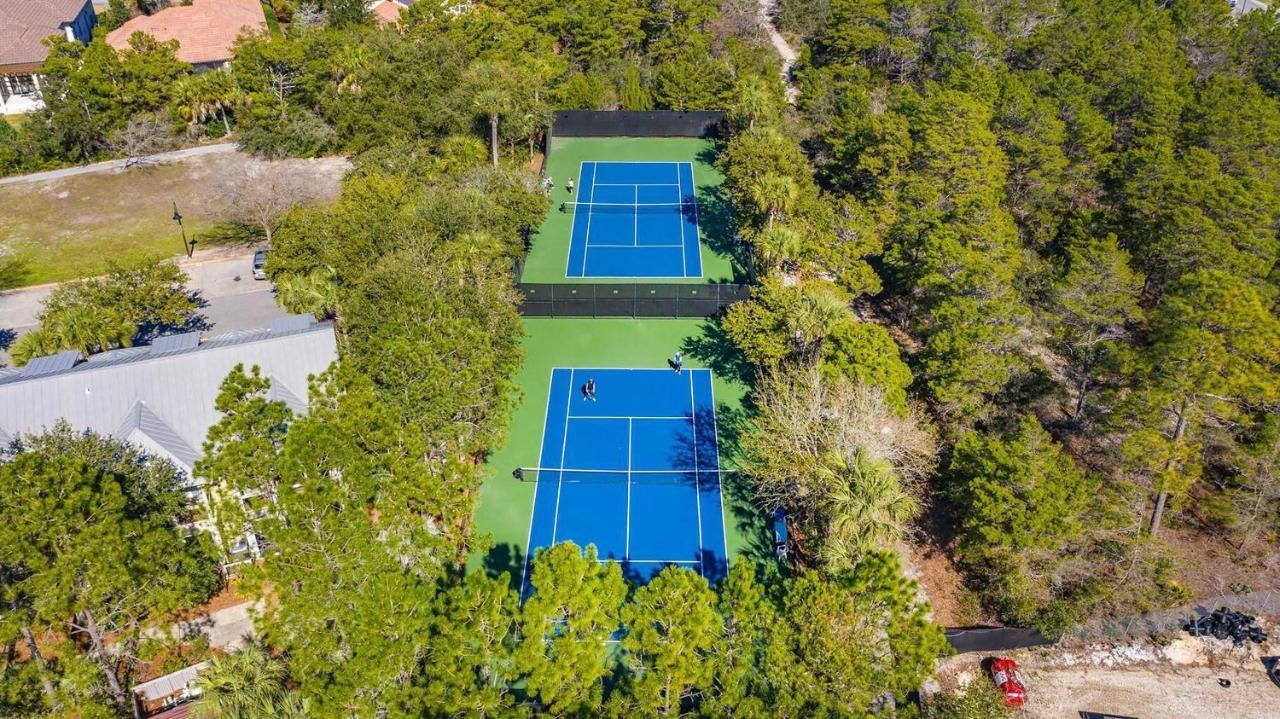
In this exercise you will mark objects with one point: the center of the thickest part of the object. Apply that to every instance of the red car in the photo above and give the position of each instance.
(1009, 681)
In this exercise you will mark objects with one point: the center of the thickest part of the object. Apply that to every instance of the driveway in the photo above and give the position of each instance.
(224, 279)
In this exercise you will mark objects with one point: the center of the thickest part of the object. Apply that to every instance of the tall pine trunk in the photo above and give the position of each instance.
(1179, 430)
(493, 137)
(98, 652)
(39, 660)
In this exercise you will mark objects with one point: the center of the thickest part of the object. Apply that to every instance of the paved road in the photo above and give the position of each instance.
(110, 165)
(235, 301)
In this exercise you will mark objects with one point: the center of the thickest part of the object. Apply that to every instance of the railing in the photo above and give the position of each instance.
(629, 300)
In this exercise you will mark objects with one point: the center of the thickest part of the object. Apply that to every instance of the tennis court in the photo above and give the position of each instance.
(635, 472)
(634, 219)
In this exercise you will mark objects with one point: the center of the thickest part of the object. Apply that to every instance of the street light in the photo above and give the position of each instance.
(188, 246)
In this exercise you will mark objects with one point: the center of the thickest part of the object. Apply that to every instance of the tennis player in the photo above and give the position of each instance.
(677, 362)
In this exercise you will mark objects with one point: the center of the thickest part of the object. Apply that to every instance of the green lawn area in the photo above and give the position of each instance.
(69, 228)
(550, 251)
(506, 505)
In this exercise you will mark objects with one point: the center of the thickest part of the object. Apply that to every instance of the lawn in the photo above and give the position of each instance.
(506, 504)
(69, 228)
(550, 250)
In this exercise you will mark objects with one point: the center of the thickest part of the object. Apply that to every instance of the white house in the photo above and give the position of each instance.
(24, 25)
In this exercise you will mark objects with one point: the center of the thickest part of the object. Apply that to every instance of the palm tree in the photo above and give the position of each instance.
(200, 97)
(774, 194)
(780, 245)
(247, 685)
(822, 307)
(754, 100)
(315, 292)
(490, 96)
(865, 510)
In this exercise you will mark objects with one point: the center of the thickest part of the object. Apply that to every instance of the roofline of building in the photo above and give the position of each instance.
(86, 366)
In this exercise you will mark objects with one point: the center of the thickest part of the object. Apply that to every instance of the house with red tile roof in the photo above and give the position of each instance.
(386, 11)
(24, 25)
(206, 30)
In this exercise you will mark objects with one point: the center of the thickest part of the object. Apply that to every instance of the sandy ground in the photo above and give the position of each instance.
(1164, 693)
(1176, 681)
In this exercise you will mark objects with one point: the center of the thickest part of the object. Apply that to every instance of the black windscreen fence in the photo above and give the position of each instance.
(629, 300)
(627, 123)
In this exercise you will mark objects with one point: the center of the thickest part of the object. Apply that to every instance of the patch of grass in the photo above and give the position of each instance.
(506, 505)
(69, 228)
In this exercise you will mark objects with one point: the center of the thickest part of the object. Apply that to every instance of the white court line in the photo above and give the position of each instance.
(586, 240)
(639, 184)
(624, 416)
(724, 527)
(597, 470)
(697, 483)
(574, 221)
(555, 521)
(697, 223)
(634, 247)
(606, 560)
(528, 550)
(635, 216)
(684, 264)
(626, 551)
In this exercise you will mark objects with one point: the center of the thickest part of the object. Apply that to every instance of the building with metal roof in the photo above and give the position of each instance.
(160, 397)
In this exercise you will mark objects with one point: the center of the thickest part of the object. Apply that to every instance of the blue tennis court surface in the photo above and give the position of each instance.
(634, 472)
(634, 219)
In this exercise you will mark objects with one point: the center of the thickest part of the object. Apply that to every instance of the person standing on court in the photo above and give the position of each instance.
(569, 185)
(589, 390)
(677, 362)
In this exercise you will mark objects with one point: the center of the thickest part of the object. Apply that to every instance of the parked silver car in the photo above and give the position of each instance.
(260, 264)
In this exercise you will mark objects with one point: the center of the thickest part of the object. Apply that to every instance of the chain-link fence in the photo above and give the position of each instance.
(623, 123)
(629, 300)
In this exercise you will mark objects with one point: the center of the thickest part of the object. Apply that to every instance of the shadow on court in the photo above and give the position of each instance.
(719, 228)
(713, 348)
(740, 508)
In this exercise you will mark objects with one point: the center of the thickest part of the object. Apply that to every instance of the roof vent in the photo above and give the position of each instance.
(175, 343)
(64, 360)
(292, 323)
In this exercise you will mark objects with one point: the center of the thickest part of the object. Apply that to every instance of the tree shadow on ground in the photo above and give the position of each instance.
(719, 226)
(713, 348)
(232, 234)
(505, 557)
(14, 272)
(195, 322)
(751, 521)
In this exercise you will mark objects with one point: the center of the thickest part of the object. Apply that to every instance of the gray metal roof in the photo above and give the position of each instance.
(163, 400)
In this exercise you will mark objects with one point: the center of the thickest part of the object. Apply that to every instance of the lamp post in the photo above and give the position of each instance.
(188, 246)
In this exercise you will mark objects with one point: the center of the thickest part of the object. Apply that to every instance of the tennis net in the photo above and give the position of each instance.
(618, 476)
(632, 208)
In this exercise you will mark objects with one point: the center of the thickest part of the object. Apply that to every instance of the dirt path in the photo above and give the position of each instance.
(785, 51)
(110, 165)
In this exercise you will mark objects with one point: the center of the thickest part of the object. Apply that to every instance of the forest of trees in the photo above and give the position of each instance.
(1015, 284)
